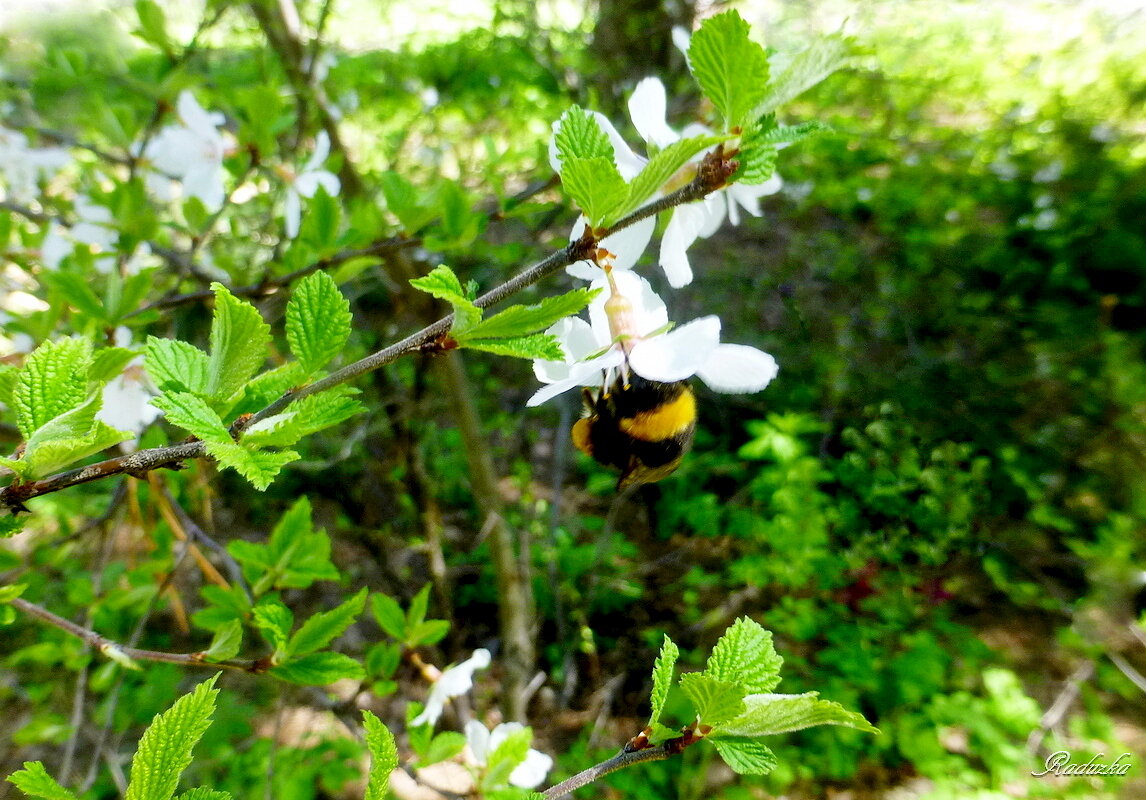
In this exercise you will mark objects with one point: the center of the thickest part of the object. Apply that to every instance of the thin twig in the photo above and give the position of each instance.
(105, 645)
(15, 494)
(619, 761)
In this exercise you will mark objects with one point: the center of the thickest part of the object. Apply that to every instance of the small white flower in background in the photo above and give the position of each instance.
(528, 774)
(454, 681)
(92, 227)
(635, 337)
(22, 167)
(127, 398)
(306, 183)
(192, 152)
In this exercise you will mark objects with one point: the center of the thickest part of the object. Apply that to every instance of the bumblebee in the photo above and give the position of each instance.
(641, 427)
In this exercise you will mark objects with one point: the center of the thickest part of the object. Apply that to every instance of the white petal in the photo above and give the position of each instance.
(55, 248)
(682, 38)
(205, 182)
(748, 197)
(586, 373)
(532, 771)
(682, 230)
(193, 115)
(321, 151)
(647, 108)
(454, 681)
(713, 208)
(626, 245)
(583, 270)
(649, 311)
(292, 213)
(307, 183)
(477, 737)
(678, 354)
(737, 368)
(629, 164)
(502, 732)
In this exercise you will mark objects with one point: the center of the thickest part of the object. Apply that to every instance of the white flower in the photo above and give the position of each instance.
(528, 774)
(92, 227)
(22, 167)
(633, 335)
(192, 151)
(647, 107)
(454, 681)
(306, 183)
(127, 397)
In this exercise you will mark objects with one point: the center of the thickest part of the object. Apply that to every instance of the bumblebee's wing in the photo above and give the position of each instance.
(637, 472)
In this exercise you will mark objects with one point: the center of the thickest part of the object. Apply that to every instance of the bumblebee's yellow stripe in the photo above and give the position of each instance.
(663, 422)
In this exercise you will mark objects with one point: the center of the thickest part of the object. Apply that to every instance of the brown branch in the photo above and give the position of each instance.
(15, 494)
(271, 285)
(103, 644)
(620, 761)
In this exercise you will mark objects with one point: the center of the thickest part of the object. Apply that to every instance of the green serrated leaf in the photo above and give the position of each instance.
(192, 413)
(45, 453)
(165, 749)
(203, 793)
(11, 592)
(239, 342)
(446, 744)
(108, 363)
(389, 615)
(383, 756)
(322, 221)
(744, 655)
(428, 632)
(715, 701)
(579, 135)
(746, 756)
(731, 69)
(403, 200)
(259, 467)
(805, 70)
(757, 164)
(382, 659)
(152, 24)
(662, 678)
(319, 669)
(7, 383)
(324, 627)
(46, 386)
(419, 605)
(596, 186)
(75, 290)
(226, 642)
(34, 781)
(517, 321)
(176, 365)
(659, 733)
(662, 168)
(306, 416)
(275, 620)
(538, 345)
(769, 714)
(317, 321)
(443, 284)
(294, 557)
(793, 134)
(269, 386)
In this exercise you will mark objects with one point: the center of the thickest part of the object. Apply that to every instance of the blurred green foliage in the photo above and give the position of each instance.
(937, 507)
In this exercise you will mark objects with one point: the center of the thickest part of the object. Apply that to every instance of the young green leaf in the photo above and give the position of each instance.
(383, 756)
(75, 290)
(446, 744)
(239, 342)
(427, 632)
(517, 321)
(108, 363)
(319, 669)
(49, 456)
(176, 365)
(317, 321)
(322, 221)
(191, 413)
(794, 134)
(403, 200)
(715, 701)
(47, 387)
(662, 168)
(769, 714)
(226, 642)
(259, 467)
(389, 615)
(805, 70)
(443, 284)
(306, 416)
(579, 135)
(746, 756)
(165, 749)
(419, 605)
(596, 186)
(538, 345)
(203, 793)
(744, 655)
(294, 557)
(34, 781)
(152, 24)
(275, 620)
(662, 678)
(731, 69)
(324, 627)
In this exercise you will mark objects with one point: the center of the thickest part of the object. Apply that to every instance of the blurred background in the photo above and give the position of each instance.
(938, 507)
